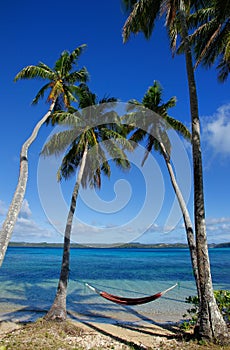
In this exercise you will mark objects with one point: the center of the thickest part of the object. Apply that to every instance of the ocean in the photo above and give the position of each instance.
(29, 277)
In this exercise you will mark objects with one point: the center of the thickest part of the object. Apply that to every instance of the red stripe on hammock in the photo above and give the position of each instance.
(130, 301)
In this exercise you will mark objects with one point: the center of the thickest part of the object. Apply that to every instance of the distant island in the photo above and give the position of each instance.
(134, 245)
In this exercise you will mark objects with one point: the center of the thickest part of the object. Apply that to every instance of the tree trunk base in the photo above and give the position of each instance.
(55, 314)
(220, 338)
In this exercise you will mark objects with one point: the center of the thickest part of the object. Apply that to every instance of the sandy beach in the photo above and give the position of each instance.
(97, 335)
(26, 329)
(90, 332)
(75, 335)
(115, 329)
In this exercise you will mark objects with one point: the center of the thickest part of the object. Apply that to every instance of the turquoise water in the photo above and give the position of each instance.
(29, 276)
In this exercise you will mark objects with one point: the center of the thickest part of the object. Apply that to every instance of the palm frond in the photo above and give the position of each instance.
(122, 163)
(142, 18)
(173, 31)
(86, 97)
(101, 131)
(61, 66)
(106, 169)
(109, 134)
(132, 104)
(92, 173)
(169, 7)
(69, 164)
(109, 118)
(66, 61)
(179, 127)
(71, 118)
(58, 143)
(208, 45)
(50, 73)
(223, 8)
(210, 37)
(170, 103)
(69, 95)
(152, 143)
(40, 93)
(129, 4)
(31, 72)
(81, 75)
(223, 70)
(75, 54)
(107, 99)
(138, 136)
(200, 17)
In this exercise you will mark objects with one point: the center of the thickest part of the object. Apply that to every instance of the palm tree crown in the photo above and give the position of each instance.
(156, 128)
(209, 18)
(211, 39)
(61, 78)
(96, 125)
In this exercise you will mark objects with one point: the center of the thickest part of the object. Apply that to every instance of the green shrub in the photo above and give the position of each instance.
(223, 302)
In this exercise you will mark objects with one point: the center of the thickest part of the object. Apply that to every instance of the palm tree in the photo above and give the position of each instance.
(155, 134)
(61, 80)
(143, 16)
(211, 38)
(87, 153)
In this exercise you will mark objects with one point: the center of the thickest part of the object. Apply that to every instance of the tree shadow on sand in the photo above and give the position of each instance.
(38, 297)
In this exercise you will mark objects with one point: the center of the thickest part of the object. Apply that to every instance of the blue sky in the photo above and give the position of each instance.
(40, 32)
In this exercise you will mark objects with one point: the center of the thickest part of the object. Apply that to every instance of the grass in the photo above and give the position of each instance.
(45, 335)
(42, 335)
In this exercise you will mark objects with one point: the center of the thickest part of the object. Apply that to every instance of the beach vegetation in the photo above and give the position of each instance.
(142, 17)
(223, 301)
(61, 88)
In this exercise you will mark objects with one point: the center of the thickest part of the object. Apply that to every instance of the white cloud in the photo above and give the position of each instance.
(28, 230)
(213, 221)
(25, 211)
(217, 130)
(218, 230)
(3, 209)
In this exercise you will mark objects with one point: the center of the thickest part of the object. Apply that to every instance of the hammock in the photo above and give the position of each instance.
(129, 301)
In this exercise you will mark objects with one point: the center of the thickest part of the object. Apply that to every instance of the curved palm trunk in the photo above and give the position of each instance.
(58, 309)
(16, 204)
(186, 217)
(211, 323)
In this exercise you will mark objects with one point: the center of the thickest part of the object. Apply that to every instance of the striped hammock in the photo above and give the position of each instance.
(129, 301)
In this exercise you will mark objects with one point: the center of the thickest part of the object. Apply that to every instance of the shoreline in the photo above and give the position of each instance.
(112, 246)
(127, 317)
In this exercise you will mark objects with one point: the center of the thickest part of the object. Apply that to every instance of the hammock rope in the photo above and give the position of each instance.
(129, 301)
